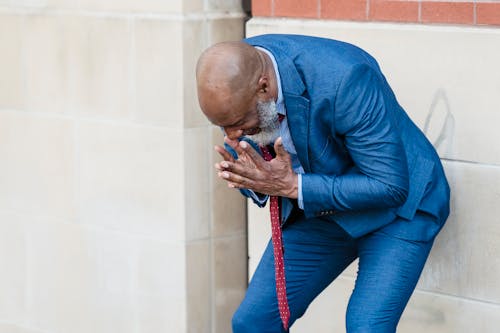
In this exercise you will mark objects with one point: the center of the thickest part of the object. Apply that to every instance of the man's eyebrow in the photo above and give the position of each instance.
(239, 122)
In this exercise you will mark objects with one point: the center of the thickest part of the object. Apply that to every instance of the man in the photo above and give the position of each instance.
(356, 178)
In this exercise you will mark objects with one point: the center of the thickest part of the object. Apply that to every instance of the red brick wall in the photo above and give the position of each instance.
(413, 11)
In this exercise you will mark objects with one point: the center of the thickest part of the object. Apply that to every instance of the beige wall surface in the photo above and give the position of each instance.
(448, 80)
(110, 217)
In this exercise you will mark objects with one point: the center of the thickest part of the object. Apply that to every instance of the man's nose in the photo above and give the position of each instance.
(233, 134)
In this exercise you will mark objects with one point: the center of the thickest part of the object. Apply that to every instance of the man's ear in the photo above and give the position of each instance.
(263, 84)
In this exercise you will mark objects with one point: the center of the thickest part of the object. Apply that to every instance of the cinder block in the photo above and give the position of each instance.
(197, 178)
(11, 92)
(225, 5)
(426, 312)
(147, 6)
(13, 328)
(97, 55)
(41, 4)
(160, 286)
(327, 312)
(67, 290)
(464, 261)
(436, 313)
(198, 283)
(131, 179)
(13, 260)
(37, 169)
(70, 4)
(115, 260)
(193, 42)
(225, 29)
(229, 278)
(45, 71)
(259, 234)
(160, 314)
(28, 3)
(160, 269)
(158, 80)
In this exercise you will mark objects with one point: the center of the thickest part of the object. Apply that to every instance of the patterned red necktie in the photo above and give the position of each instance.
(279, 265)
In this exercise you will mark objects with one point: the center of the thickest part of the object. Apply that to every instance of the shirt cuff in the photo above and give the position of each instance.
(300, 200)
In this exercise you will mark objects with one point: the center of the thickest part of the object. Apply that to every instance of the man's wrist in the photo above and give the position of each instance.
(293, 193)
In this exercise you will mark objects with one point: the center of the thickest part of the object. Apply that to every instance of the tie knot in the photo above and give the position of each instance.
(266, 154)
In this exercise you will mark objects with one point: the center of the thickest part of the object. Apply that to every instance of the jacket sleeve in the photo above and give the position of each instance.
(379, 178)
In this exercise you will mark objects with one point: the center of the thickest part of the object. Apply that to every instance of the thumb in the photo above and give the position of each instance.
(280, 150)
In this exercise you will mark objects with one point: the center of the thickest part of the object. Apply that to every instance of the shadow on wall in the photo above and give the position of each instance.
(439, 124)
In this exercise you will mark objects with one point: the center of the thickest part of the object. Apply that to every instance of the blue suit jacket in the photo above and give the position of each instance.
(366, 163)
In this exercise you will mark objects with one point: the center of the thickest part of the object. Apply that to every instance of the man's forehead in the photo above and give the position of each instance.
(228, 115)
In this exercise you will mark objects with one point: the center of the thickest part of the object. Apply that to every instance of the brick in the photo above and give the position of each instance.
(399, 11)
(447, 12)
(344, 9)
(296, 8)
(262, 8)
(488, 13)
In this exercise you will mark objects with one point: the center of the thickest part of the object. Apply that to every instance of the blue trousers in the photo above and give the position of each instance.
(316, 252)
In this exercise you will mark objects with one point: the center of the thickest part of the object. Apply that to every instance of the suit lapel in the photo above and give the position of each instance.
(297, 106)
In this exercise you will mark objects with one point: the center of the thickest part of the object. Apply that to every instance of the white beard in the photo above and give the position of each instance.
(268, 123)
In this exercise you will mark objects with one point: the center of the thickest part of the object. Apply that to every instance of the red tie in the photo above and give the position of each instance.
(279, 265)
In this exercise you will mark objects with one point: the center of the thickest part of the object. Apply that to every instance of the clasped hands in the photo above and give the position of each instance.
(251, 171)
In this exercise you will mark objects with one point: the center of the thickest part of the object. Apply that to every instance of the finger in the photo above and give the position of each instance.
(219, 167)
(247, 170)
(224, 153)
(280, 150)
(233, 185)
(232, 143)
(235, 144)
(252, 153)
(237, 180)
(236, 186)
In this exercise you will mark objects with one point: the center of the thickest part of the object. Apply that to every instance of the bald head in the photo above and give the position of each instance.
(229, 65)
(227, 76)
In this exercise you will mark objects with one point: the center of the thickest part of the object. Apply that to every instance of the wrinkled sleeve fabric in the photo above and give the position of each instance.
(379, 178)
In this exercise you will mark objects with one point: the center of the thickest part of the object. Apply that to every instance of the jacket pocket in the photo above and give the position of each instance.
(420, 175)
(322, 151)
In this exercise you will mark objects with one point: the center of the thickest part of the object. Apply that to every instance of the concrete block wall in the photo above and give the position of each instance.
(110, 217)
(447, 77)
